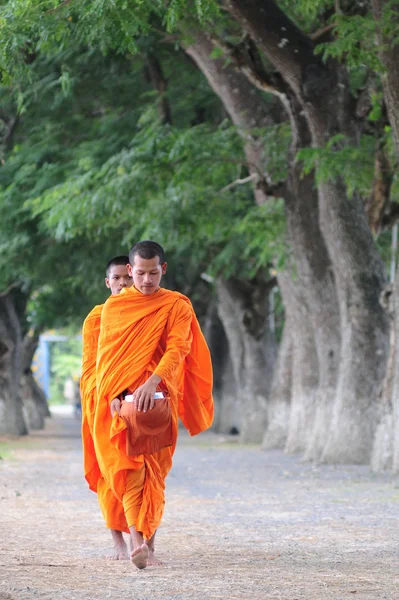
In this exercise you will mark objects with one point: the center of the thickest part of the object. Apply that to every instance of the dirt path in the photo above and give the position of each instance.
(238, 524)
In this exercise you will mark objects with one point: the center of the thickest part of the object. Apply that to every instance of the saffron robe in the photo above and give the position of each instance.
(140, 335)
(111, 507)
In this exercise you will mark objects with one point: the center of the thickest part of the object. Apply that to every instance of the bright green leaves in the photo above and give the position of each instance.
(355, 164)
(355, 42)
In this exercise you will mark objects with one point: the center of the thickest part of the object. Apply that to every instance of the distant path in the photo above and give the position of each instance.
(239, 523)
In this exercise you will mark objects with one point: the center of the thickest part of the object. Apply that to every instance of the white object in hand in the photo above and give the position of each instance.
(157, 396)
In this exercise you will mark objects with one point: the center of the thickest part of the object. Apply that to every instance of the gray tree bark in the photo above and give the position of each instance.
(317, 286)
(311, 256)
(279, 407)
(305, 371)
(251, 351)
(224, 392)
(243, 309)
(240, 100)
(34, 400)
(12, 419)
(359, 272)
(383, 448)
(386, 446)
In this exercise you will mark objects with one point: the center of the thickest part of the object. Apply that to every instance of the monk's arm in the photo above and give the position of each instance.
(178, 342)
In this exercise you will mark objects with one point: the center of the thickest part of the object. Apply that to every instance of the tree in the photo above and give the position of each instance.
(386, 447)
(327, 86)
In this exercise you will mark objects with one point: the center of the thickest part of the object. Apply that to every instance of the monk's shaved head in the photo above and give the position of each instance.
(114, 262)
(147, 249)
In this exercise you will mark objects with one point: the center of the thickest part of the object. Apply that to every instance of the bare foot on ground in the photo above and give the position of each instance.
(139, 557)
(118, 554)
(152, 561)
(120, 551)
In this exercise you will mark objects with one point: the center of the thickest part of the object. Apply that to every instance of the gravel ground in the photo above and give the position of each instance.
(238, 523)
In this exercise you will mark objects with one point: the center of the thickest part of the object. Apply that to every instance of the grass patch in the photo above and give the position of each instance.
(10, 447)
(6, 451)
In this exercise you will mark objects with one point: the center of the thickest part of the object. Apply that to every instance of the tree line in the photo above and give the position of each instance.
(258, 141)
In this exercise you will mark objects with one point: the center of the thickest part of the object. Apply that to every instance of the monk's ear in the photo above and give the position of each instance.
(164, 267)
(129, 269)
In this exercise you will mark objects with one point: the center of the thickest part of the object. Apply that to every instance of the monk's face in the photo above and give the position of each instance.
(147, 273)
(118, 279)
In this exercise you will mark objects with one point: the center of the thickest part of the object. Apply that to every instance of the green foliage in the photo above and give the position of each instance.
(62, 133)
(90, 168)
(308, 14)
(354, 42)
(168, 185)
(338, 159)
(66, 362)
(30, 28)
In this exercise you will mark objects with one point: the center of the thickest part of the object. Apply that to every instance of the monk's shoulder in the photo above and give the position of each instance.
(181, 304)
(95, 313)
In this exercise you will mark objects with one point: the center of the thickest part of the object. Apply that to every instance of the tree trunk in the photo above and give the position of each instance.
(33, 397)
(243, 309)
(394, 415)
(314, 267)
(317, 284)
(224, 392)
(12, 419)
(364, 326)
(386, 447)
(305, 372)
(242, 102)
(358, 269)
(160, 84)
(382, 454)
(279, 407)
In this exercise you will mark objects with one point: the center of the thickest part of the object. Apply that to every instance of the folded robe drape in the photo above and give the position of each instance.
(140, 335)
(111, 507)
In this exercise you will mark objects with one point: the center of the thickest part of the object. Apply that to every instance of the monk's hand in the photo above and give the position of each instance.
(115, 407)
(144, 395)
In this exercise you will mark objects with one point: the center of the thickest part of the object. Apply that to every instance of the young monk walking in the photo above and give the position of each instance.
(117, 278)
(150, 345)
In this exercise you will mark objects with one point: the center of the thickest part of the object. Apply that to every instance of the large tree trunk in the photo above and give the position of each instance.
(224, 392)
(305, 372)
(243, 104)
(279, 407)
(248, 111)
(33, 397)
(317, 284)
(243, 309)
(382, 454)
(12, 419)
(358, 269)
(394, 414)
(386, 447)
(251, 350)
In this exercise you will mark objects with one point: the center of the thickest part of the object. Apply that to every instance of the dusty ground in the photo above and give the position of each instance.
(238, 524)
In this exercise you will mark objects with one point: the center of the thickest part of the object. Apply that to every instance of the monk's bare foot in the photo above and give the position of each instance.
(118, 554)
(152, 561)
(139, 557)
(120, 551)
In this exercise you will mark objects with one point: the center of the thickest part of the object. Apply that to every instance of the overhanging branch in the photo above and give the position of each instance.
(254, 72)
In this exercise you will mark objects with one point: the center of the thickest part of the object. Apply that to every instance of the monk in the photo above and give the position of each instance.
(150, 340)
(117, 278)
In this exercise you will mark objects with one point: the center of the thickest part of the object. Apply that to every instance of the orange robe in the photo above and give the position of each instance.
(111, 507)
(141, 335)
